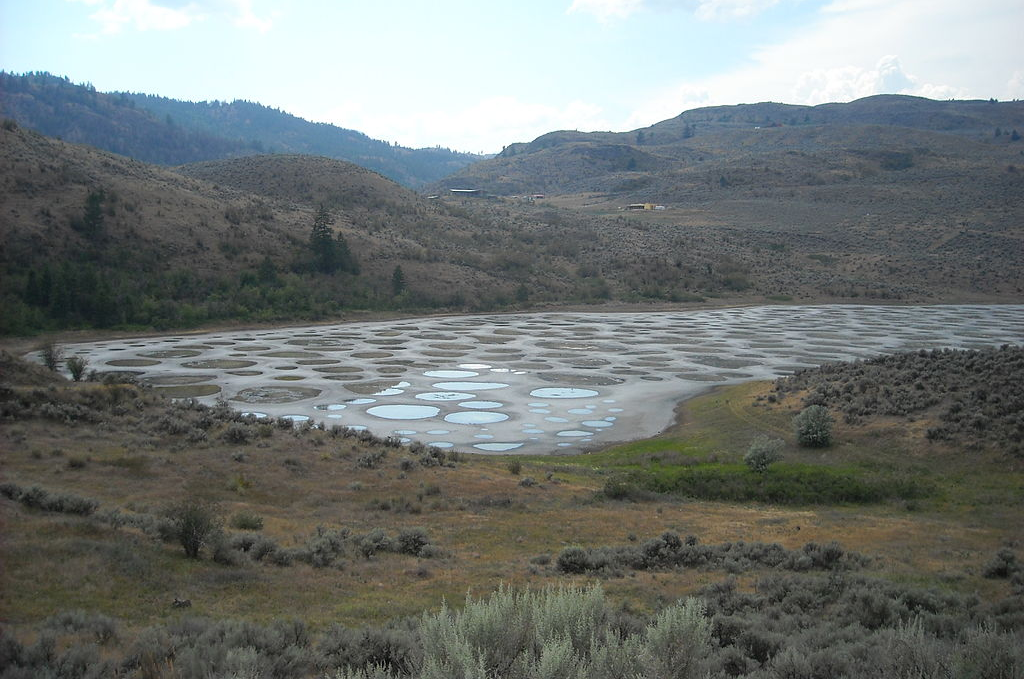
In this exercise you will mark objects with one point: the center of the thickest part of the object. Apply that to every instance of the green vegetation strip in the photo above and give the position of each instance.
(791, 484)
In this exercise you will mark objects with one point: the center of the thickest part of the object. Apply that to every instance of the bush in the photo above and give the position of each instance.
(51, 355)
(574, 560)
(565, 632)
(101, 627)
(372, 459)
(763, 452)
(76, 366)
(814, 427)
(1003, 565)
(514, 467)
(412, 541)
(194, 524)
(670, 551)
(39, 498)
(247, 521)
(374, 541)
(623, 488)
(237, 433)
(325, 548)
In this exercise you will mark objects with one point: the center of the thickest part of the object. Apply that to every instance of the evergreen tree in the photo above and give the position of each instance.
(267, 273)
(322, 243)
(397, 281)
(345, 259)
(92, 220)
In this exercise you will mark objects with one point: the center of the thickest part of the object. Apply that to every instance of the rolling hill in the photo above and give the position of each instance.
(765, 148)
(171, 132)
(95, 239)
(808, 212)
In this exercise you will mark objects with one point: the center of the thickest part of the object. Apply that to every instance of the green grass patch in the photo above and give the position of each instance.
(788, 484)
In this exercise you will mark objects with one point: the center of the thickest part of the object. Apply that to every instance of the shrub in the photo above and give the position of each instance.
(194, 524)
(670, 551)
(565, 632)
(514, 467)
(51, 355)
(237, 433)
(101, 627)
(247, 521)
(224, 553)
(412, 541)
(574, 560)
(325, 548)
(36, 497)
(76, 366)
(374, 541)
(258, 547)
(71, 504)
(1003, 565)
(814, 427)
(372, 459)
(624, 488)
(763, 452)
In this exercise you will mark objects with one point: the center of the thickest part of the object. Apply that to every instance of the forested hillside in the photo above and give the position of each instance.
(170, 132)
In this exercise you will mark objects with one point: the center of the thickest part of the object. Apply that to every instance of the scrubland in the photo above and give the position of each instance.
(332, 552)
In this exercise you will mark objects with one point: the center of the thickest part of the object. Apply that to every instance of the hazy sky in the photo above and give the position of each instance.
(475, 75)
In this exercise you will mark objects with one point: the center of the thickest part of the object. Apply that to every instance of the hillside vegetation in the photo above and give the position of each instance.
(97, 240)
(886, 197)
(973, 397)
(332, 551)
(170, 132)
(830, 206)
(761, 147)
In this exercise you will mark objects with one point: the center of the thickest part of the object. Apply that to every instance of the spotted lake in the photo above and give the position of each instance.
(529, 383)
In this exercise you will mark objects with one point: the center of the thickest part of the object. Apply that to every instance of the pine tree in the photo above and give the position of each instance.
(321, 242)
(92, 220)
(346, 260)
(397, 281)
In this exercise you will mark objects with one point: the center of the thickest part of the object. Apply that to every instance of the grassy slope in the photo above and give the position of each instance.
(489, 525)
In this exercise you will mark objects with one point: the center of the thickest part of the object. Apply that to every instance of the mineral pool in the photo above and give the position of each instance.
(529, 383)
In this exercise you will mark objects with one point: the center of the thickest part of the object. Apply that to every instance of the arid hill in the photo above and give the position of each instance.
(808, 212)
(709, 153)
(95, 239)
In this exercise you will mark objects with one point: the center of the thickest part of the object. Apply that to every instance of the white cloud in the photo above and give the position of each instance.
(245, 16)
(484, 126)
(1014, 88)
(939, 49)
(605, 10)
(115, 16)
(705, 10)
(709, 10)
(845, 83)
(141, 15)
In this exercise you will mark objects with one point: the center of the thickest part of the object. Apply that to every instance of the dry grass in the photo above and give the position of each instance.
(488, 526)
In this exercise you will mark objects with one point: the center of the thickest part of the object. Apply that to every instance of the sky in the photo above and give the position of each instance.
(476, 75)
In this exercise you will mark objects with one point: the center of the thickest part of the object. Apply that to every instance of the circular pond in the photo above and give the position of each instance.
(403, 412)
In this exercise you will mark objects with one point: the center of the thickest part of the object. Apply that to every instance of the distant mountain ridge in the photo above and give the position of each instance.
(693, 151)
(166, 131)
